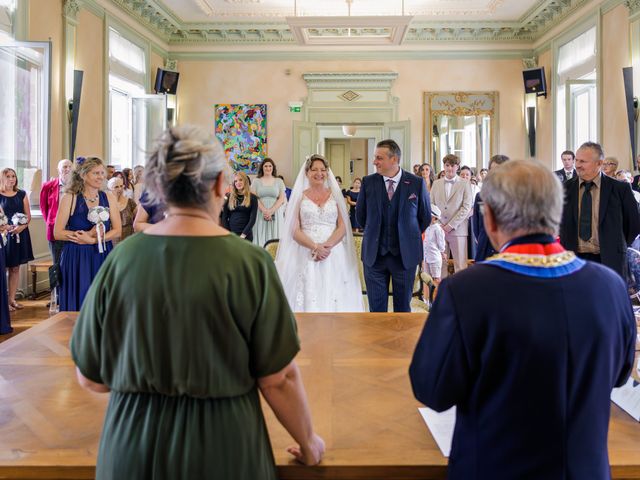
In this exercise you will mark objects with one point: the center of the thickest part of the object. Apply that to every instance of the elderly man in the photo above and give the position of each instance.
(527, 344)
(49, 198)
(600, 216)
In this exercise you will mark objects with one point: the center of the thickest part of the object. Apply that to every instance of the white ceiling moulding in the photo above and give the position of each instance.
(369, 30)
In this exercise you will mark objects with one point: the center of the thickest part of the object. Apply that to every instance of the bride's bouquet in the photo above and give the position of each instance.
(3, 221)
(19, 219)
(98, 215)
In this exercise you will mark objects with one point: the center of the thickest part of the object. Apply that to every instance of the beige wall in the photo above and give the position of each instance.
(544, 127)
(206, 83)
(615, 55)
(89, 45)
(46, 22)
(155, 61)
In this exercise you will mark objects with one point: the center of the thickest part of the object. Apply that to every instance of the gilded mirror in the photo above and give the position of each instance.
(462, 123)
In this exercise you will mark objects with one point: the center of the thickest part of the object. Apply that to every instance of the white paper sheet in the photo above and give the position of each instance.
(627, 397)
(441, 427)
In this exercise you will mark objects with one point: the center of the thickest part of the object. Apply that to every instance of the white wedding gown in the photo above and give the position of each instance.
(332, 284)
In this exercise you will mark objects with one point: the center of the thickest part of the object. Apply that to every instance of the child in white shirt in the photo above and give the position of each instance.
(433, 247)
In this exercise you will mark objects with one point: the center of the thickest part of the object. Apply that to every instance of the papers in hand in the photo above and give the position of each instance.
(441, 427)
(627, 397)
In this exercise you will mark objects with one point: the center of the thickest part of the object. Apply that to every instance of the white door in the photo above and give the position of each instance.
(148, 121)
(400, 132)
(304, 143)
(581, 112)
(338, 155)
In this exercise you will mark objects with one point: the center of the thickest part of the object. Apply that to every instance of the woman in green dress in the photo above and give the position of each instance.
(184, 324)
(271, 197)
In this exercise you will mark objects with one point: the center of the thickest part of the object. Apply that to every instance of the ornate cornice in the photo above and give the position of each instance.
(150, 14)
(531, 26)
(70, 9)
(360, 81)
(633, 6)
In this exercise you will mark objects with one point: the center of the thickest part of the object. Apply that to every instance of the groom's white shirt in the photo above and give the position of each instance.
(396, 179)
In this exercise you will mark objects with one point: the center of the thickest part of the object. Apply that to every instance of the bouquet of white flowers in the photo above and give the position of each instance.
(98, 215)
(3, 221)
(19, 219)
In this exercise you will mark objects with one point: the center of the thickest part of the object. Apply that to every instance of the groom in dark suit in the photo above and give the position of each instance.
(393, 208)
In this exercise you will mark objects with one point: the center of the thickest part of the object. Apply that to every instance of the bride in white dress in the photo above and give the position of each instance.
(316, 257)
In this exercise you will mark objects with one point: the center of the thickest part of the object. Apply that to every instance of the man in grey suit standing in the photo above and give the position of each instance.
(452, 195)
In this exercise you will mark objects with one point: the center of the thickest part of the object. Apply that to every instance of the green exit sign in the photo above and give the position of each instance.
(294, 108)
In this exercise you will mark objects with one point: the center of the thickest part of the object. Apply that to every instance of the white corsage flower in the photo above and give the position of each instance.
(19, 219)
(98, 215)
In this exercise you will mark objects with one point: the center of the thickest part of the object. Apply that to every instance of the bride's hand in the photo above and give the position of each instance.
(322, 252)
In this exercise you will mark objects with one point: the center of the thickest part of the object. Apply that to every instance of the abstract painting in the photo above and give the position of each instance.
(242, 129)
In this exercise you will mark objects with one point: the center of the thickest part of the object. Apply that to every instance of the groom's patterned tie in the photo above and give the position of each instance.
(390, 189)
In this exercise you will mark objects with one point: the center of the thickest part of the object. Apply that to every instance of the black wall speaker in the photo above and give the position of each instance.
(535, 82)
(531, 118)
(627, 76)
(74, 106)
(166, 81)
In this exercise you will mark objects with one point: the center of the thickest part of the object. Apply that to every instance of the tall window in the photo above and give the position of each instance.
(24, 113)
(127, 76)
(577, 96)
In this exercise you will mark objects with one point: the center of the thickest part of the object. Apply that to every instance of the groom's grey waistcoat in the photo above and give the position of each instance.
(389, 239)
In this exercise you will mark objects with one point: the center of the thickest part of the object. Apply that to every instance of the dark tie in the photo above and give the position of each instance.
(585, 212)
(390, 189)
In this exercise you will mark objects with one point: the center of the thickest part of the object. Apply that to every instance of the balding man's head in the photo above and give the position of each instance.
(64, 170)
(525, 197)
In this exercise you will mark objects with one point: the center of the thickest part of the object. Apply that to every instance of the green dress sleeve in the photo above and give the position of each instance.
(86, 339)
(274, 339)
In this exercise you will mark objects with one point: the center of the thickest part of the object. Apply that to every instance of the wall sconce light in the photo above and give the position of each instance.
(530, 119)
(349, 130)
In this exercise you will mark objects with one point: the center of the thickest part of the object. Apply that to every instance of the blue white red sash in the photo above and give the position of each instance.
(540, 260)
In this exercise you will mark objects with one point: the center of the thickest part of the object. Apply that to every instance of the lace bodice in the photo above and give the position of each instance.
(318, 223)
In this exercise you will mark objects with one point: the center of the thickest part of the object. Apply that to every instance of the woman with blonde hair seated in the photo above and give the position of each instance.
(240, 211)
(184, 325)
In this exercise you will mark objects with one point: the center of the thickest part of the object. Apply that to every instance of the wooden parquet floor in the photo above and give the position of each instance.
(33, 313)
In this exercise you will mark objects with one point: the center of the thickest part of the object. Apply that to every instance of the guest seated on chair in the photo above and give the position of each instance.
(181, 342)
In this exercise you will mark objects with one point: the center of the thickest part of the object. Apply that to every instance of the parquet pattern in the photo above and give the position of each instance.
(354, 367)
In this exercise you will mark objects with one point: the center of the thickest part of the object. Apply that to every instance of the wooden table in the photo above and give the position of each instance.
(355, 372)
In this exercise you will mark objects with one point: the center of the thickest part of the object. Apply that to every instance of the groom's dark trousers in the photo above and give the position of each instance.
(392, 243)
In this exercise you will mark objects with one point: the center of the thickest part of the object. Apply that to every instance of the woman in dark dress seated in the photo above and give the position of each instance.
(239, 212)
(185, 324)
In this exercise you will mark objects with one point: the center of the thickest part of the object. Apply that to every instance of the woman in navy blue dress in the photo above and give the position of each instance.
(352, 198)
(18, 249)
(5, 321)
(81, 258)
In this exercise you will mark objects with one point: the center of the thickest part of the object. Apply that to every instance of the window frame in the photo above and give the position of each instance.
(133, 37)
(44, 108)
(593, 21)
